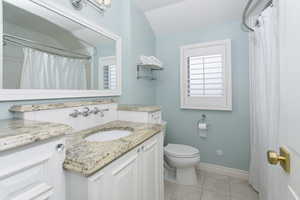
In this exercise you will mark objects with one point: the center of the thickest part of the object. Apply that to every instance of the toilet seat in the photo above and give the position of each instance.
(181, 151)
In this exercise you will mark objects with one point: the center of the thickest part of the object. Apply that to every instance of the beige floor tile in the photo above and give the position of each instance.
(213, 195)
(240, 189)
(216, 182)
(243, 198)
(179, 192)
(201, 177)
(211, 187)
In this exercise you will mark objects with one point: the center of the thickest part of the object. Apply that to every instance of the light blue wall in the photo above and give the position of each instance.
(142, 42)
(125, 20)
(229, 131)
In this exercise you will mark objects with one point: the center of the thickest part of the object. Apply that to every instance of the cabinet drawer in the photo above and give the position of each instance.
(34, 172)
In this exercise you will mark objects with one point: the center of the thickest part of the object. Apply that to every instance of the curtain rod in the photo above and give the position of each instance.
(246, 10)
(12, 39)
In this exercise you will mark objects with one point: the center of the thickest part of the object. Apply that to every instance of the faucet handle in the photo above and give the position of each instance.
(95, 111)
(85, 112)
(75, 114)
(102, 111)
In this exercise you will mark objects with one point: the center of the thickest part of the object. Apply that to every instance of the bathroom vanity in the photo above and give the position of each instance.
(133, 169)
(100, 157)
(85, 150)
(31, 157)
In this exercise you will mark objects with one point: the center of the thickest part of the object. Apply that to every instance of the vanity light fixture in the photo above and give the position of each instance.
(100, 5)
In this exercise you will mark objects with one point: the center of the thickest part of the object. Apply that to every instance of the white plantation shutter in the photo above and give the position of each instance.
(206, 76)
(110, 77)
(108, 64)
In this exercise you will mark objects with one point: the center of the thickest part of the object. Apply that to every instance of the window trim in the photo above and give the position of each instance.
(227, 106)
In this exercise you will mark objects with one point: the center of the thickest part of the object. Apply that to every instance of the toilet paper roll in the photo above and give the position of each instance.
(202, 126)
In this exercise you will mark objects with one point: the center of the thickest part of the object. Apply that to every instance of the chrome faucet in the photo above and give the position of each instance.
(86, 112)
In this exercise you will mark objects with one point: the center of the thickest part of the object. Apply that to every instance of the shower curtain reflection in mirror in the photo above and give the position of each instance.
(45, 71)
(54, 53)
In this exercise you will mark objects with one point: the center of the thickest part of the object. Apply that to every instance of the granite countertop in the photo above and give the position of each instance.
(51, 106)
(139, 108)
(87, 158)
(16, 132)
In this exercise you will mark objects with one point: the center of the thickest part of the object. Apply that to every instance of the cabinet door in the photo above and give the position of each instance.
(150, 170)
(125, 184)
(33, 173)
(97, 187)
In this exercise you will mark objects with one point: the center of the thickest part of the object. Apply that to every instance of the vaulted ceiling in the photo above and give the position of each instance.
(169, 16)
(147, 5)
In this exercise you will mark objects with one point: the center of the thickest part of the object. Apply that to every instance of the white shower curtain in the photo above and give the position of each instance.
(264, 97)
(45, 71)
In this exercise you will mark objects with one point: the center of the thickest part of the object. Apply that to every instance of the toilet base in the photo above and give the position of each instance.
(186, 176)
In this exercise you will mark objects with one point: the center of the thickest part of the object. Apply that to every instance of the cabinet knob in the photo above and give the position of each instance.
(60, 147)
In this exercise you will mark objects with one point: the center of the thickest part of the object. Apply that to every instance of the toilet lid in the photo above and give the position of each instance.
(180, 150)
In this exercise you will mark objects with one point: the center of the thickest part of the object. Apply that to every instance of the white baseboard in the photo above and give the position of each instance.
(224, 170)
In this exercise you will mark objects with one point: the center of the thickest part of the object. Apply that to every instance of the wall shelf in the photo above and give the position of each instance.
(148, 70)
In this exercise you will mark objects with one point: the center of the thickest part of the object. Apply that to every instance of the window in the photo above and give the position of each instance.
(206, 76)
(110, 77)
(108, 70)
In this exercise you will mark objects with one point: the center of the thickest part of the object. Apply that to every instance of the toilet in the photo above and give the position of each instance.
(183, 160)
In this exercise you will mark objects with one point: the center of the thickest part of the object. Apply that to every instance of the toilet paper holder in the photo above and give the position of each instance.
(203, 119)
(202, 127)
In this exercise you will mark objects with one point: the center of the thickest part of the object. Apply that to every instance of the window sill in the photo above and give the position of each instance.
(215, 108)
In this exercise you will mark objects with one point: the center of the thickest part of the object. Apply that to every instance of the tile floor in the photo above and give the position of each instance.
(211, 187)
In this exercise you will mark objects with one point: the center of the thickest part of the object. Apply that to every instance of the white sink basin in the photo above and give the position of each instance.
(105, 136)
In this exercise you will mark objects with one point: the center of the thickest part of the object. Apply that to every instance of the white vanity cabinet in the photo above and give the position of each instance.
(33, 172)
(124, 177)
(137, 175)
(151, 170)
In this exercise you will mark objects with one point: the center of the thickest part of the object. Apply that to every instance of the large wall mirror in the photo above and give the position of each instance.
(48, 53)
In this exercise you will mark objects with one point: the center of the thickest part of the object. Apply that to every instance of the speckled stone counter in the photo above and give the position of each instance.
(139, 108)
(16, 133)
(51, 106)
(88, 157)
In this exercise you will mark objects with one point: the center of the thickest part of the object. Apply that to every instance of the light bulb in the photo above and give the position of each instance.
(107, 2)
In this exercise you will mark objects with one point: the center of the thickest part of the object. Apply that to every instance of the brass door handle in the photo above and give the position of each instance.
(283, 158)
(274, 158)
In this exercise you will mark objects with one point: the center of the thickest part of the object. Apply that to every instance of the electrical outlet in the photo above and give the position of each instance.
(220, 152)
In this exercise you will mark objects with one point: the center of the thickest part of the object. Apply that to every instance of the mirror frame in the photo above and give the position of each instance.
(38, 94)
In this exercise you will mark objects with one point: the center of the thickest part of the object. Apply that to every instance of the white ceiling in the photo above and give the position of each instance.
(169, 16)
(71, 35)
(147, 5)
